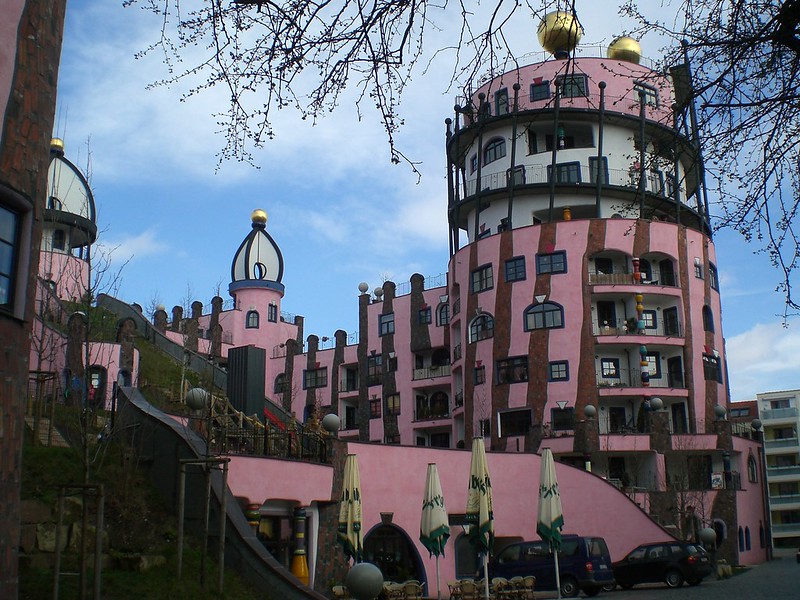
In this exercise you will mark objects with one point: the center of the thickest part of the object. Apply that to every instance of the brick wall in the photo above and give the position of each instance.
(27, 124)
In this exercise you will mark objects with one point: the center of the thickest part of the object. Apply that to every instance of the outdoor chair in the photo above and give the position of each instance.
(412, 590)
(340, 591)
(528, 583)
(455, 590)
(469, 590)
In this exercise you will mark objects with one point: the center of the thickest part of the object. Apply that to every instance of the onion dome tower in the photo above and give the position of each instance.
(256, 273)
(69, 226)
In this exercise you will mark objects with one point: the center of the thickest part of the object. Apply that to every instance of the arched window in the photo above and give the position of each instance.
(547, 315)
(481, 327)
(747, 538)
(280, 384)
(752, 470)
(645, 269)
(443, 314)
(741, 539)
(708, 319)
(494, 150)
(466, 557)
(252, 319)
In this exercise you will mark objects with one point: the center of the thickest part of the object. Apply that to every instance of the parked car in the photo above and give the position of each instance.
(584, 564)
(670, 562)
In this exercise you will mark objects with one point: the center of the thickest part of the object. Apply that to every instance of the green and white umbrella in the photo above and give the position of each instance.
(550, 518)
(434, 528)
(349, 533)
(479, 514)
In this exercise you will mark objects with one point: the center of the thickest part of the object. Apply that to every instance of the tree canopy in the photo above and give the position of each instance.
(303, 54)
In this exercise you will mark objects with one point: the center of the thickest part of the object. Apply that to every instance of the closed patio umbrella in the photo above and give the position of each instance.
(349, 533)
(479, 514)
(434, 528)
(550, 519)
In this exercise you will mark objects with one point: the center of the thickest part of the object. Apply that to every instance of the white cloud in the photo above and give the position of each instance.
(764, 358)
(130, 247)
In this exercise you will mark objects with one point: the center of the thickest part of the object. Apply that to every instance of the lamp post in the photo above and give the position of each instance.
(757, 428)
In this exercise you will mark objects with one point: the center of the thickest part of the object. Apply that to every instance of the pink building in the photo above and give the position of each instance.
(580, 311)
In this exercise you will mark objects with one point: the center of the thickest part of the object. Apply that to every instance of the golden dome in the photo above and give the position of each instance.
(559, 32)
(625, 48)
(259, 216)
(57, 145)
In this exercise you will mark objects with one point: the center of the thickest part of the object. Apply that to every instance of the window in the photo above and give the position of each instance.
(482, 279)
(479, 375)
(440, 439)
(9, 226)
(673, 190)
(512, 370)
(272, 313)
(251, 321)
(393, 439)
(375, 408)
(566, 172)
(515, 422)
(425, 316)
(593, 162)
(551, 263)
(712, 368)
(650, 319)
(708, 319)
(558, 370)
(752, 469)
(609, 368)
(473, 163)
(280, 386)
(481, 328)
(443, 314)
(698, 270)
(572, 86)
(485, 428)
(393, 404)
(59, 239)
(494, 150)
(315, 378)
(562, 418)
(540, 91)
(515, 269)
(713, 278)
(501, 102)
(374, 368)
(547, 315)
(533, 146)
(653, 367)
(650, 93)
(386, 324)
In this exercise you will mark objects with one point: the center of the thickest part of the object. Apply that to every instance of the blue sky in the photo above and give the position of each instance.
(338, 208)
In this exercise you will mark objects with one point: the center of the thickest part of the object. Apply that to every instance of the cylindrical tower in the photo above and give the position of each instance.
(582, 269)
(68, 229)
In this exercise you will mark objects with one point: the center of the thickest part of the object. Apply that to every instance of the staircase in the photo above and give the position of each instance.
(47, 436)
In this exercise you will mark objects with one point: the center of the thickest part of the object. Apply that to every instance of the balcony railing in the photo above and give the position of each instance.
(786, 499)
(458, 399)
(457, 352)
(786, 528)
(782, 443)
(779, 413)
(627, 378)
(623, 327)
(783, 471)
(539, 174)
(457, 306)
(431, 372)
(348, 386)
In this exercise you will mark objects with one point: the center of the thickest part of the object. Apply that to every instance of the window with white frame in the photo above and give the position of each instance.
(558, 370)
(494, 150)
(386, 324)
(252, 319)
(482, 279)
(481, 327)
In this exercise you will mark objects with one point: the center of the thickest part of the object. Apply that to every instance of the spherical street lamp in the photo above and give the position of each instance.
(364, 581)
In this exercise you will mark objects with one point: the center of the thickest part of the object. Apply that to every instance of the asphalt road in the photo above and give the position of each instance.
(775, 580)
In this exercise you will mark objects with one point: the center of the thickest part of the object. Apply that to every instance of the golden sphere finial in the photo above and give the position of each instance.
(57, 145)
(259, 216)
(625, 48)
(559, 32)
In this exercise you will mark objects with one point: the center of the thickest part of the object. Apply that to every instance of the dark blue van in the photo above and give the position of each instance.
(584, 564)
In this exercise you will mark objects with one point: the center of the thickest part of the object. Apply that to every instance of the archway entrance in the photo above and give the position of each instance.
(392, 551)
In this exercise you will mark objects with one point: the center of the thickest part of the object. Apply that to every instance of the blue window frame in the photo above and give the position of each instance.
(547, 315)
(515, 269)
(556, 262)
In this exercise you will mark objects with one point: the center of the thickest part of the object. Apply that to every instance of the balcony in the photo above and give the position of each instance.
(625, 378)
(457, 352)
(778, 413)
(425, 412)
(348, 386)
(791, 470)
(787, 499)
(786, 528)
(431, 372)
(781, 443)
(458, 399)
(628, 327)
